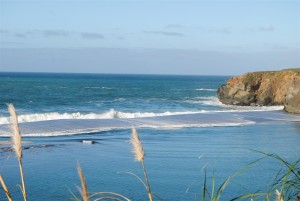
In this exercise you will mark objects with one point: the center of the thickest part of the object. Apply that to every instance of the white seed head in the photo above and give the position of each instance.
(83, 190)
(137, 147)
(278, 196)
(16, 137)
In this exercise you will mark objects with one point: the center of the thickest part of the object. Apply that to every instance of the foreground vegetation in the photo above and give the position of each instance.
(286, 186)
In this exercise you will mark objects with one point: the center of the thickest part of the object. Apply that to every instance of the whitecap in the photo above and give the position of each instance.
(174, 121)
(205, 89)
(97, 87)
(214, 101)
(209, 100)
(110, 114)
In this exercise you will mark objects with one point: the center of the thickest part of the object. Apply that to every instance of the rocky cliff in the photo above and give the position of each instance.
(264, 88)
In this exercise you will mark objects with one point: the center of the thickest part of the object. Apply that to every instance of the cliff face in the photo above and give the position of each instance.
(264, 88)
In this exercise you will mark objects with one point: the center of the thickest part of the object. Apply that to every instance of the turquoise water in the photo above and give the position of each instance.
(96, 93)
(183, 127)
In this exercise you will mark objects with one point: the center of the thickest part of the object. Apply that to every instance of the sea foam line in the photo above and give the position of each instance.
(114, 114)
(214, 101)
(65, 131)
(111, 114)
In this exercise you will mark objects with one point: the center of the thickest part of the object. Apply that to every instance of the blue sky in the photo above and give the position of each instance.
(212, 37)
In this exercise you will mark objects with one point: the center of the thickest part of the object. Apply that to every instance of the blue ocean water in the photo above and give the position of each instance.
(185, 130)
(98, 94)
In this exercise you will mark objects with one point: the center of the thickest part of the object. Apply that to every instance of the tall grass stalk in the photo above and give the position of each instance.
(83, 190)
(101, 195)
(139, 156)
(5, 189)
(287, 180)
(211, 195)
(17, 144)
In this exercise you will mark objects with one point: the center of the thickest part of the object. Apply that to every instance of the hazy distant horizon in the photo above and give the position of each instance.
(149, 37)
(125, 73)
(97, 73)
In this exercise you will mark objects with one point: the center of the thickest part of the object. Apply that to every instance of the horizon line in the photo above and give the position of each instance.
(158, 74)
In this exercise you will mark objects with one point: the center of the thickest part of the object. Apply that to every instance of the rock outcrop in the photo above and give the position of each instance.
(293, 105)
(264, 89)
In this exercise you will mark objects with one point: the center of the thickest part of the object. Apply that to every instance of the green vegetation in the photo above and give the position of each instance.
(253, 77)
(292, 69)
(286, 186)
(256, 76)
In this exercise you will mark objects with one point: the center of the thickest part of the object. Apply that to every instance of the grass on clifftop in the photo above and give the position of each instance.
(257, 76)
(292, 69)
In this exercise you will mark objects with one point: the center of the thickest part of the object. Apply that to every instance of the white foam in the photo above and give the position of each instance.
(253, 108)
(98, 88)
(111, 114)
(214, 101)
(58, 133)
(223, 118)
(67, 130)
(210, 100)
(204, 89)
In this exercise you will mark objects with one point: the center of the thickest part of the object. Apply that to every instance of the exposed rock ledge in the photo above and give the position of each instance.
(264, 89)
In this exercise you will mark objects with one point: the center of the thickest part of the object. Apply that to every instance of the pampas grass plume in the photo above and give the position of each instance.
(139, 154)
(83, 190)
(137, 146)
(16, 137)
(17, 144)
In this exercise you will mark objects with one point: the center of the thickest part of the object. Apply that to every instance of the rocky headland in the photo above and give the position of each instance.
(264, 89)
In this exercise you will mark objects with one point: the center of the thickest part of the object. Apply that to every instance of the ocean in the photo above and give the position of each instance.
(184, 129)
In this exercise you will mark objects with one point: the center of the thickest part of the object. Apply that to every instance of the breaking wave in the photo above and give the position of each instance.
(111, 114)
(79, 126)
